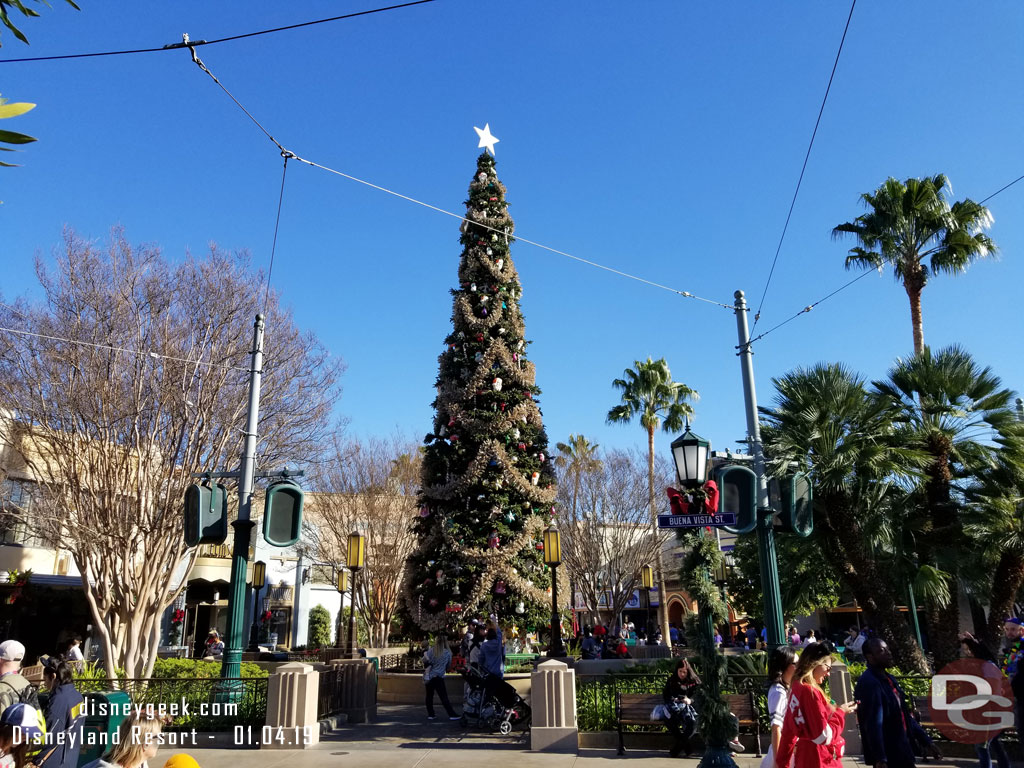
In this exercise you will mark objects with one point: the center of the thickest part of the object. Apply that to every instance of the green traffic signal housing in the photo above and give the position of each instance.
(737, 485)
(791, 496)
(282, 514)
(206, 514)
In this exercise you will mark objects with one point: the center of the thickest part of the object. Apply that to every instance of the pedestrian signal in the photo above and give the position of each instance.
(738, 486)
(282, 514)
(792, 498)
(206, 514)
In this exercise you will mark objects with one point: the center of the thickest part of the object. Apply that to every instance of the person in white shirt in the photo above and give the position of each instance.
(781, 666)
(854, 643)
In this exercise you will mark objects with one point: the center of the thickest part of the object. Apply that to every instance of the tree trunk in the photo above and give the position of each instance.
(843, 541)
(942, 526)
(659, 567)
(914, 285)
(1006, 581)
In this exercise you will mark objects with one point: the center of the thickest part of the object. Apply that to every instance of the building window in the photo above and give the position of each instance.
(18, 524)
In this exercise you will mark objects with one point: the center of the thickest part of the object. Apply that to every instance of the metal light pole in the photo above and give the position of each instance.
(243, 525)
(553, 558)
(356, 555)
(647, 582)
(765, 535)
(342, 586)
(259, 579)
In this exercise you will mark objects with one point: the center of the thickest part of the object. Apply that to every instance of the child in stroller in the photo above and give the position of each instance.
(493, 702)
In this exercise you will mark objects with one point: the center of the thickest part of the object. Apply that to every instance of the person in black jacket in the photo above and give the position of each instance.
(680, 691)
(887, 726)
(63, 717)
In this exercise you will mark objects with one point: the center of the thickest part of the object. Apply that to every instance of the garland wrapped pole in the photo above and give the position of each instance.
(717, 725)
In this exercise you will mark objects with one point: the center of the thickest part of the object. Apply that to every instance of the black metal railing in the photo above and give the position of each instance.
(329, 698)
(206, 704)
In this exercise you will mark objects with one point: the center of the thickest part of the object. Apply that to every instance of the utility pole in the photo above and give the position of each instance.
(765, 534)
(232, 663)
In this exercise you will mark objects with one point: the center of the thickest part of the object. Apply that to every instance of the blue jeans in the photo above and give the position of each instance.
(985, 752)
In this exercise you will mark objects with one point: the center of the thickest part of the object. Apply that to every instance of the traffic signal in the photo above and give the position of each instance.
(282, 514)
(206, 514)
(738, 486)
(792, 498)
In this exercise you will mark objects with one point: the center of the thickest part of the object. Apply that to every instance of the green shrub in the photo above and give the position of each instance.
(197, 668)
(319, 627)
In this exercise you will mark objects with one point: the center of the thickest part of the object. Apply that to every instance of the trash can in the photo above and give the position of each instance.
(104, 713)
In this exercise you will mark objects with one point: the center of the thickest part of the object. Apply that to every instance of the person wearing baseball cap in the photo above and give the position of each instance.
(20, 734)
(12, 682)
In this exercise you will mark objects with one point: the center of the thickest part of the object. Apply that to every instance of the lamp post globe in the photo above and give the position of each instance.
(553, 558)
(690, 454)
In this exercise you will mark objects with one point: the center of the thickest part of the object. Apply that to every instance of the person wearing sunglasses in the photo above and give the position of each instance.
(812, 732)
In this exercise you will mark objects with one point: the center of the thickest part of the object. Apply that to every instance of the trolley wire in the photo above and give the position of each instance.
(286, 153)
(803, 169)
(218, 40)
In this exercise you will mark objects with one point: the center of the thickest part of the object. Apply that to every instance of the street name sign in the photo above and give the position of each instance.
(696, 521)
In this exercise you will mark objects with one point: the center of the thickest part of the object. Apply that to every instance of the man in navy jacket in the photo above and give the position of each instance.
(886, 724)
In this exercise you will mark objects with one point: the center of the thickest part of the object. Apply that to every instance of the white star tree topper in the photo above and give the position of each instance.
(486, 139)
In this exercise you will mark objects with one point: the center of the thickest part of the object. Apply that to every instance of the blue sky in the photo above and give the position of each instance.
(663, 139)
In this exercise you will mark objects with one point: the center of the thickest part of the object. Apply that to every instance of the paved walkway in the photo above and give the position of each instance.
(401, 737)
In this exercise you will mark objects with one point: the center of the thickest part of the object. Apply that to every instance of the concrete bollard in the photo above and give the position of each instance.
(841, 689)
(553, 701)
(358, 689)
(292, 692)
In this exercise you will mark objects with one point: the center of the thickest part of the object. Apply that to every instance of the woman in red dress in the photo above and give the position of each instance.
(812, 732)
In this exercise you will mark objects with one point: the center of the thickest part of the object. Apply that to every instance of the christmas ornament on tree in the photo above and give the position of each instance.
(488, 488)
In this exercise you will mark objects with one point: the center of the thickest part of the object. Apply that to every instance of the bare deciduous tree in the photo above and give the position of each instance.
(130, 376)
(606, 528)
(369, 486)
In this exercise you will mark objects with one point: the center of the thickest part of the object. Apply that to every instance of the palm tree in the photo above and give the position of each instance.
(649, 392)
(948, 408)
(910, 222)
(824, 419)
(578, 457)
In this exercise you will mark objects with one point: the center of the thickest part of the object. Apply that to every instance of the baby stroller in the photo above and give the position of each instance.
(492, 702)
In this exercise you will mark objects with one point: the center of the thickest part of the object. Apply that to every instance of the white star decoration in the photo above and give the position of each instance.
(486, 139)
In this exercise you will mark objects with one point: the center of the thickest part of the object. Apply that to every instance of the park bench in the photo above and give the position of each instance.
(923, 711)
(636, 708)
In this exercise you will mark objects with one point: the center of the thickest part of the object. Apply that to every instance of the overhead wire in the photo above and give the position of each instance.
(126, 350)
(286, 153)
(219, 40)
(865, 273)
(803, 168)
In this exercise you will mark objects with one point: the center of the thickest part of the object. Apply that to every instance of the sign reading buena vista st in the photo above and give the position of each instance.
(696, 521)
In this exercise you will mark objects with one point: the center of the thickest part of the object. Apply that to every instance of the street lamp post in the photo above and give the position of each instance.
(647, 582)
(354, 561)
(342, 586)
(690, 454)
(259, 579)
(552, 558)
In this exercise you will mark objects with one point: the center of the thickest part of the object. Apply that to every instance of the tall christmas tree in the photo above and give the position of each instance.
(488, 487)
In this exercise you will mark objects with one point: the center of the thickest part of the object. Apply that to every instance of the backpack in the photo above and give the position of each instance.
(27, 695)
